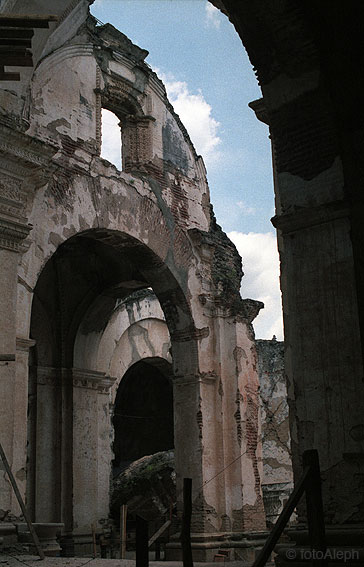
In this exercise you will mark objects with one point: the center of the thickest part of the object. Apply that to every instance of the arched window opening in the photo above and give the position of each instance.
(111, 138)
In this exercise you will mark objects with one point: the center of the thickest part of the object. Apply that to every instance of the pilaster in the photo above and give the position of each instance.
(24, 164)
(13, 231)
(92, 454)
(222, 412)
(323, 355)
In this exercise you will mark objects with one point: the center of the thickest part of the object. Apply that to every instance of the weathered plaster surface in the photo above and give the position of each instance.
(277, 481)
(96, 236)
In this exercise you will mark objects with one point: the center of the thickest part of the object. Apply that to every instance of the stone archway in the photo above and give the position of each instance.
(83, 271)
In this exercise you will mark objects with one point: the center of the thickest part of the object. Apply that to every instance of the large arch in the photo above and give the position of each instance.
(68, 440)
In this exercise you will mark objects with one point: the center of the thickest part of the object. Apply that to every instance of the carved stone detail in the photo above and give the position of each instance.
(24, 344)
(23, 154)
(199, 418)
(12, 199)
(137, 141)
(92, 380)
(24, 157)
(9, 189)
(98, 109)
(47, 376)
(12, 234)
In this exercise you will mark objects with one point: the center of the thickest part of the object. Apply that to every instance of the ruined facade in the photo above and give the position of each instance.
(307, 57)
(78, 237)
(135, 345)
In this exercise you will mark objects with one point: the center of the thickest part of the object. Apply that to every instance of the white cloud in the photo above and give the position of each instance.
(261, 279)
(195, 113)
(212, 15)
(246, 210)
(111, 138)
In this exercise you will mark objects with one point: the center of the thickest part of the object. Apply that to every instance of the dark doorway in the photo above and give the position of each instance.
(143, 413)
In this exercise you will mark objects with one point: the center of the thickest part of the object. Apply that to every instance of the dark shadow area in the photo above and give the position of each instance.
(143, 413)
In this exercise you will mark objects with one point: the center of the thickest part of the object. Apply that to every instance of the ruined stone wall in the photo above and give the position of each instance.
(96, 234)
(277, 481)
(140, 320)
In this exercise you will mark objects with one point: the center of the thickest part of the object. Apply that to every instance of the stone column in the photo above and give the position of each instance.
(217, 409)
(92, 455)
(189, 428)
(13, 230)
(323, 361)
(237, 462)
(323, 356)
(239, 465)
(47, 445)
(20, 410)
(217, 437)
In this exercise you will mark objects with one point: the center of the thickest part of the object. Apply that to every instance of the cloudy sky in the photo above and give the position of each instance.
(209, 80)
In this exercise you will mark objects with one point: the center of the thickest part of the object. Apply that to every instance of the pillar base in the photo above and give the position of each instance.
(78, 543)
(8, 534)
(47, 534)
(345, 547)
(235, 546)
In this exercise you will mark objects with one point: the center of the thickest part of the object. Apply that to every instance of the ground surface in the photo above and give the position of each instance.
(33, 561)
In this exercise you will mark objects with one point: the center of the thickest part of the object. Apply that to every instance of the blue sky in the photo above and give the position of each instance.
(197, 53)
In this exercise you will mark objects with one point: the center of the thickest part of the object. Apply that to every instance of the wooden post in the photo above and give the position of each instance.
(283, 519)
(123, 513)
(186, 523)
(157, 551)
(93, 540)
(315, 509)
(141, 544)
(21, 504)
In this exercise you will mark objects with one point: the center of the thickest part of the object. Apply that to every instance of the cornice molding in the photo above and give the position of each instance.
(81, 378)
(24, 344)
(307, 217)
(258, 107)
(12, 233)
(92, 380)
(24, 157)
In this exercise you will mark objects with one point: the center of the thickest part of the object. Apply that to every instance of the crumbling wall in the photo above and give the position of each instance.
(96, 235)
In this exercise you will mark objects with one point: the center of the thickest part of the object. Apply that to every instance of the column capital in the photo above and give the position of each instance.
(214, 305)
(12, 233)
(306, 217)
(258, 107)
(25, 163)
(92, 380)
(24, 344)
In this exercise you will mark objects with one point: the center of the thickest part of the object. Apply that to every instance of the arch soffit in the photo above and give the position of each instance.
(146, 339)
(141, 220)
(168, 289)
(278, 40)
(94, 350)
